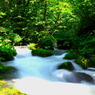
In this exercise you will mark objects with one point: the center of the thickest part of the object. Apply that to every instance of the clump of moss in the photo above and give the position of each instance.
(71, 55)
(80, 60)
(66, 65)
(6, 70)
(42, 52)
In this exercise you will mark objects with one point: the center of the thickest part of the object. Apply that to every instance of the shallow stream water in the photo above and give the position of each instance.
(40, 76)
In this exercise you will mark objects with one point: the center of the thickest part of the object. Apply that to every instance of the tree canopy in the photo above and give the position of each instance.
(69, 23)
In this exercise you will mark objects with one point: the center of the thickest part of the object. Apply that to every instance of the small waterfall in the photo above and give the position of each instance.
(76, 66)
(78, 75)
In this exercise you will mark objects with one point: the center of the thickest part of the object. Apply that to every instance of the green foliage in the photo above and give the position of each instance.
(69, 23)
(66, 65)
(7, 51)
(32, 46)
(14, 38)
(2, 14)
(7, 35)
(42, 52)
(47, 42)
(87, 46)
(82, 62)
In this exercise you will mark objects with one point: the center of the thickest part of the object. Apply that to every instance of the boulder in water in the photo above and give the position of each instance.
(42, 52)
(83, 77)
(78, 77)
(66, 65)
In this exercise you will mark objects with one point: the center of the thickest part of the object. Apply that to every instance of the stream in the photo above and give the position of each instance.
(40, 76)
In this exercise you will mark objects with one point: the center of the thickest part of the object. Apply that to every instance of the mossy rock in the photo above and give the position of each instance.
(71, 55)
(42, 52)
(7, 69)
(83, 77)
(66, 65)
(7, 72)
(78, 77)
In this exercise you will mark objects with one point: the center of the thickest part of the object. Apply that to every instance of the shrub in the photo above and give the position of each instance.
(42, 52)
(6, 55)
(82, 61)
(32, 46)
(47, 42)
(92, 62)
(66, 65)
(7, 51)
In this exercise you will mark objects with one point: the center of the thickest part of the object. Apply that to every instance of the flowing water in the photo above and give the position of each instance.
(40, 76)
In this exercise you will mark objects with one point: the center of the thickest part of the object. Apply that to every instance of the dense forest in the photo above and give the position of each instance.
(47, 24)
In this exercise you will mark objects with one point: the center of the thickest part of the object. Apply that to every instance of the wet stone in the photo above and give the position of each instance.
(78, 77)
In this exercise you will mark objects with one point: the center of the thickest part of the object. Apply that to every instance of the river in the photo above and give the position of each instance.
(39, 75)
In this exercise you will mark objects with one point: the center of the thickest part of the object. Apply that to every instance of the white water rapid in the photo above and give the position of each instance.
(39, 76)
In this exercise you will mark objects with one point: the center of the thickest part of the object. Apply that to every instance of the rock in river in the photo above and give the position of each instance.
(78, 77)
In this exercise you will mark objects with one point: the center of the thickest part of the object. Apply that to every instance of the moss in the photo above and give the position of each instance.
(71, 55)
(8, 69)
(81, 60)
(42, 52)
(66, 65)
